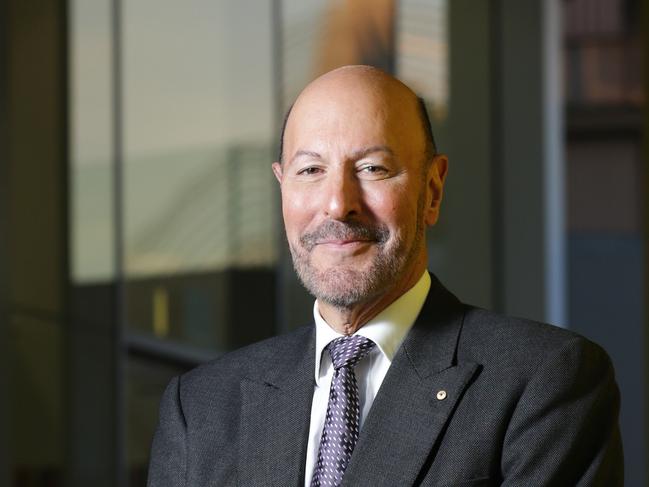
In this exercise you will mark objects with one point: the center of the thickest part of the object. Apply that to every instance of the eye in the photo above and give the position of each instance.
(309, 171)
(373, 170)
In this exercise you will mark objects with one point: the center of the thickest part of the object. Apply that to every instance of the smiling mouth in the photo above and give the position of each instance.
(344, 242)
(345, 246)
(344, 235)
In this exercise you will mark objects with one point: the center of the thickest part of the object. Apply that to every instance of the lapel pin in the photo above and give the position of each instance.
(441, 395)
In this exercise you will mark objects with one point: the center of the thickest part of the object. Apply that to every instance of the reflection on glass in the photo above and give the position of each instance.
(603, 53)
(422, 51)
(199, 196)
(318, 36)
(405, 37)
(197, 130)
(91, 168)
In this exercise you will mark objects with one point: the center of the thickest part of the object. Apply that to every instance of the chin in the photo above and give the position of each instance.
(342, 287)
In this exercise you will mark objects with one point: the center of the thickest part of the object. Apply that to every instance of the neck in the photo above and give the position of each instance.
(348, 321)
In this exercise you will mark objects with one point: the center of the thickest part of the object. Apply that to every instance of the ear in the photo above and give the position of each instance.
(435, 184)
(277, 171)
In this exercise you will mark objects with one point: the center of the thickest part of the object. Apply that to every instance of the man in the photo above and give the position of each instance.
(397, 383)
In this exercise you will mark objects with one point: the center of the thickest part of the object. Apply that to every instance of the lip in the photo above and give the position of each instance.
(343, 244)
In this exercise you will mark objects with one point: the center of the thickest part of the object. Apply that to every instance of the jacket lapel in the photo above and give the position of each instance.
(274, 431)
(417, 397)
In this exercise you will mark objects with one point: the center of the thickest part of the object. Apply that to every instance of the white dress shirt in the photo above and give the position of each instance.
(387, 330)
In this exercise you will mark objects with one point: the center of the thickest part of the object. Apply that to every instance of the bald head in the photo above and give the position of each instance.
(366, 88)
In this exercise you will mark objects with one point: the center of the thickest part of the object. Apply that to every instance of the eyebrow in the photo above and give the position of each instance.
(358, 154)
(308, 153)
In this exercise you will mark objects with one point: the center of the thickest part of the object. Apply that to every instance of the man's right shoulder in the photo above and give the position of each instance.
(251, 361)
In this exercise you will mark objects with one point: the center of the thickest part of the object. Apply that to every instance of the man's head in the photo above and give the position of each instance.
(360, 182)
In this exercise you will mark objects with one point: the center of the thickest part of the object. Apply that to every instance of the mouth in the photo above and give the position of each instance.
(344, 236)
(343, 241)
(347, 243)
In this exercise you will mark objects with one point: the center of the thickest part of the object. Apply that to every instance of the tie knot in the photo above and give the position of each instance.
(348, 350)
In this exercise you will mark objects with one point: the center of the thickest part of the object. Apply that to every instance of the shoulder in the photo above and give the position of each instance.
(524, 346)
(253, 360)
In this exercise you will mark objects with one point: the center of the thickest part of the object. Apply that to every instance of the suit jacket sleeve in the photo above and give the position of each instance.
(564, 430)
(168, 452)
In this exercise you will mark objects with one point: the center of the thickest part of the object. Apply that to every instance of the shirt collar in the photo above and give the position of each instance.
(387, 329)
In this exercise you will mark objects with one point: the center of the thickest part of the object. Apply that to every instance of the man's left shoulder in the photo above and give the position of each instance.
(521, 344)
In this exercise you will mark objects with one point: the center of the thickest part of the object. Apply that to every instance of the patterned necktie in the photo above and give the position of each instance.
(340, 431)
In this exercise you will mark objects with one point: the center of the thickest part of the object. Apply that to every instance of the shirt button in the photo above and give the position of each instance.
(441, 395)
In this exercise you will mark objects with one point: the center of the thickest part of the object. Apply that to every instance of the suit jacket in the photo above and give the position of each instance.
(523, 404)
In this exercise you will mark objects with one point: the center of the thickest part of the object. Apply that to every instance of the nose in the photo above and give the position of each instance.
(342, 195)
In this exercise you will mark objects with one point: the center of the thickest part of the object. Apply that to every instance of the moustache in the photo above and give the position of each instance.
(338, 230)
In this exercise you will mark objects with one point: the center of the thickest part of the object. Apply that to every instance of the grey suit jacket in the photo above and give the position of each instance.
(525, 404)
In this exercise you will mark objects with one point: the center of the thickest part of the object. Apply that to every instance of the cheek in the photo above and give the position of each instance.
(295, 213)
(395, 208)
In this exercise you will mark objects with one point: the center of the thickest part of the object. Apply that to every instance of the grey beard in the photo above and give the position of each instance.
(344, 287)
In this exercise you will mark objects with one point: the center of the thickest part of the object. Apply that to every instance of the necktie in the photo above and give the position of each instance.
(340, 431)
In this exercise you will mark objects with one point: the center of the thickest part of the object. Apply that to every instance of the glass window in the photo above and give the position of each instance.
(200, 217)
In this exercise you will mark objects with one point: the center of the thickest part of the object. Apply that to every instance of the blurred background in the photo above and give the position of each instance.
(139, 218)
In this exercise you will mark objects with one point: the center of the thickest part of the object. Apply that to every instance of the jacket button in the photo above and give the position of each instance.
(441, 395)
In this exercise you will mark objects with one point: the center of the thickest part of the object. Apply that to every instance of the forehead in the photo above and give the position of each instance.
(353, 115)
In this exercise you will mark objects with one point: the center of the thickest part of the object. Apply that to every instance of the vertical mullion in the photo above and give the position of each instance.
(644, 46)
(554, 192)
(5, 457)
(281, 280)
(496, 128)
(118, 222)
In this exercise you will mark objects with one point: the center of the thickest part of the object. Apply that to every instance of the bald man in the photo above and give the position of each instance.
(396, 382)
